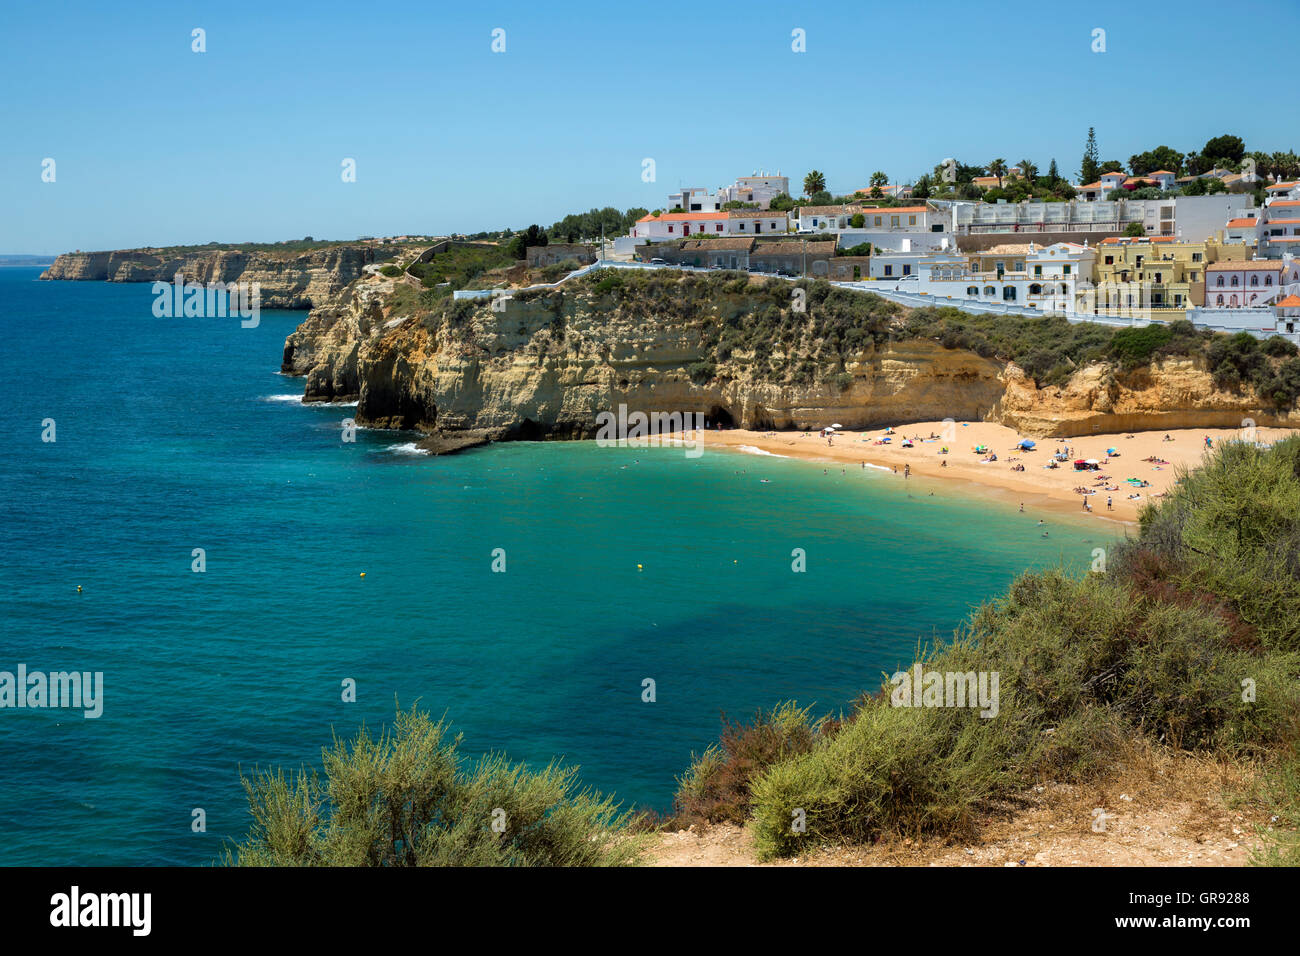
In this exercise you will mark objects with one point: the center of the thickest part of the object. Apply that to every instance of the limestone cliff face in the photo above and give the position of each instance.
(550, 365)
(287, 280)
(1175, 393)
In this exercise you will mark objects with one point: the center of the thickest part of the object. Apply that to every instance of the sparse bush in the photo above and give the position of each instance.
(407, 799)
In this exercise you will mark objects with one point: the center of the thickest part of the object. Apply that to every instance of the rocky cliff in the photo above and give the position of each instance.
(287, 280)
(547, 365)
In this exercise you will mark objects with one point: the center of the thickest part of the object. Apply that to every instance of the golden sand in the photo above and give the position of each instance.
(1036, 486)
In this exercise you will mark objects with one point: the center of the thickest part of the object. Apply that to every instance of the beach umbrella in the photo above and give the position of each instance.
(1092, 461)
(837, 425)
(1110, 451)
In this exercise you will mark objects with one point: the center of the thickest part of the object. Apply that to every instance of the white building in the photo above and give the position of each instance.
(734, 222)
(1191, 218)
(1248, 283)
(759, 188)
(1279, 228)
(694, 199)
(1052, 278)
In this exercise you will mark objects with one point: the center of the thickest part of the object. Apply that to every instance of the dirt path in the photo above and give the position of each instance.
(1158, 811)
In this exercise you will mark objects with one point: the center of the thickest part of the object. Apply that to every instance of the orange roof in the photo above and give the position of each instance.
(1289, 222)
(878, 210)
(1236, 265)
(682, 216)
(1160, 172)
(1291, 185)
(1241, 223)
(1286, 202)
(1290, 302)
(1096, 185)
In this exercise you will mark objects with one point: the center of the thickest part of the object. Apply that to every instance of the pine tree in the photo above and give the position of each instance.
(1053, 174)
(1090, 169)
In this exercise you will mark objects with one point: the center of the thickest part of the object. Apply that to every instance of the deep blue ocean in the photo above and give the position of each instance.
(176, 434)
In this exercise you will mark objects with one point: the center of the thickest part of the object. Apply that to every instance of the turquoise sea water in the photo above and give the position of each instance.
(175, 434)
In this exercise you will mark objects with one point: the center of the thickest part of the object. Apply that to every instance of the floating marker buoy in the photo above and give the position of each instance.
(638, 567)
(78, 588)
(363, 574)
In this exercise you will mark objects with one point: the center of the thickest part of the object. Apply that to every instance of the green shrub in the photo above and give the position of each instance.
(390, 270)
(407, 799)
(1191, 637)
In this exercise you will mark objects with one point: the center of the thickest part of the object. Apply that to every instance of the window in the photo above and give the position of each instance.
(1065, 269)
(989, 290)
(1065, 289)
(1110, 260)
(1254, 280)
(972, 290)
(1020, 267)
(907, 270)
(1218, 300)
(1038, 270)
(742, 227)
(1009, 293)
(670, 228)
(893, 222)
(719, 227)
(1235, 282)
(1196, 257)
(1219, 283)
(877, 220)
(911, 220)
(1268, 280)
(1035, 289)
(889, 270)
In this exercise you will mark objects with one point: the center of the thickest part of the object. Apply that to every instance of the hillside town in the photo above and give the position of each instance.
(1216, 259)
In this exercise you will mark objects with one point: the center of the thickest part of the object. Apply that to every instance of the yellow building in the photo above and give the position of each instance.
(1156, 277)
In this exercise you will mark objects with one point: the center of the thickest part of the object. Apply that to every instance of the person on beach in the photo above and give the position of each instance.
(907, 471)
(1022, 507)
(1109, 507)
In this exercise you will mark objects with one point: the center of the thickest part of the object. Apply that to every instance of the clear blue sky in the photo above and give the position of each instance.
(155, 144)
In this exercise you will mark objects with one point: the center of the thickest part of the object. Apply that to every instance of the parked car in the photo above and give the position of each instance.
(658, 262)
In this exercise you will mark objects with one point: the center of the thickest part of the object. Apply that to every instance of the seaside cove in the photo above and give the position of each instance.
(621, 564)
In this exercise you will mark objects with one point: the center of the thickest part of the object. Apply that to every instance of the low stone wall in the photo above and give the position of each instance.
(538, 256)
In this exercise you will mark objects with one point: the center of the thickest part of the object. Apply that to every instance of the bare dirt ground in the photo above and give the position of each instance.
(1158, 810)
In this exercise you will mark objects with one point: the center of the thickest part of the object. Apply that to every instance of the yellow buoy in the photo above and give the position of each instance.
(363, 574)
(638, 567)
(78, 588)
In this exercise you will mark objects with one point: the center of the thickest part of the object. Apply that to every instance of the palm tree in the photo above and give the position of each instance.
(814, 182)
(998, 168)
(1028, 171)
(879, 178)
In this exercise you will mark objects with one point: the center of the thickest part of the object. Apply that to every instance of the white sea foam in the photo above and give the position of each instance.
(750, 449)
(296, 399)
(407, 448)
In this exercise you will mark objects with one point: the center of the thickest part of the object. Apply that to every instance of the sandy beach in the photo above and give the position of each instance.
(1036, 487)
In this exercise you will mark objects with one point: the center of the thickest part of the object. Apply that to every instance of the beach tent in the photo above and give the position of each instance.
(1080, 465)
(1111, 451)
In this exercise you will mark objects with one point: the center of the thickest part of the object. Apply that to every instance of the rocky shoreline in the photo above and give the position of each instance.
(287, 280)
(545, 366)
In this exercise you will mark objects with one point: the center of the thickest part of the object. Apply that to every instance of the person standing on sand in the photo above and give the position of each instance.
(1022, 507)
(1109, 507)
(907, 471)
